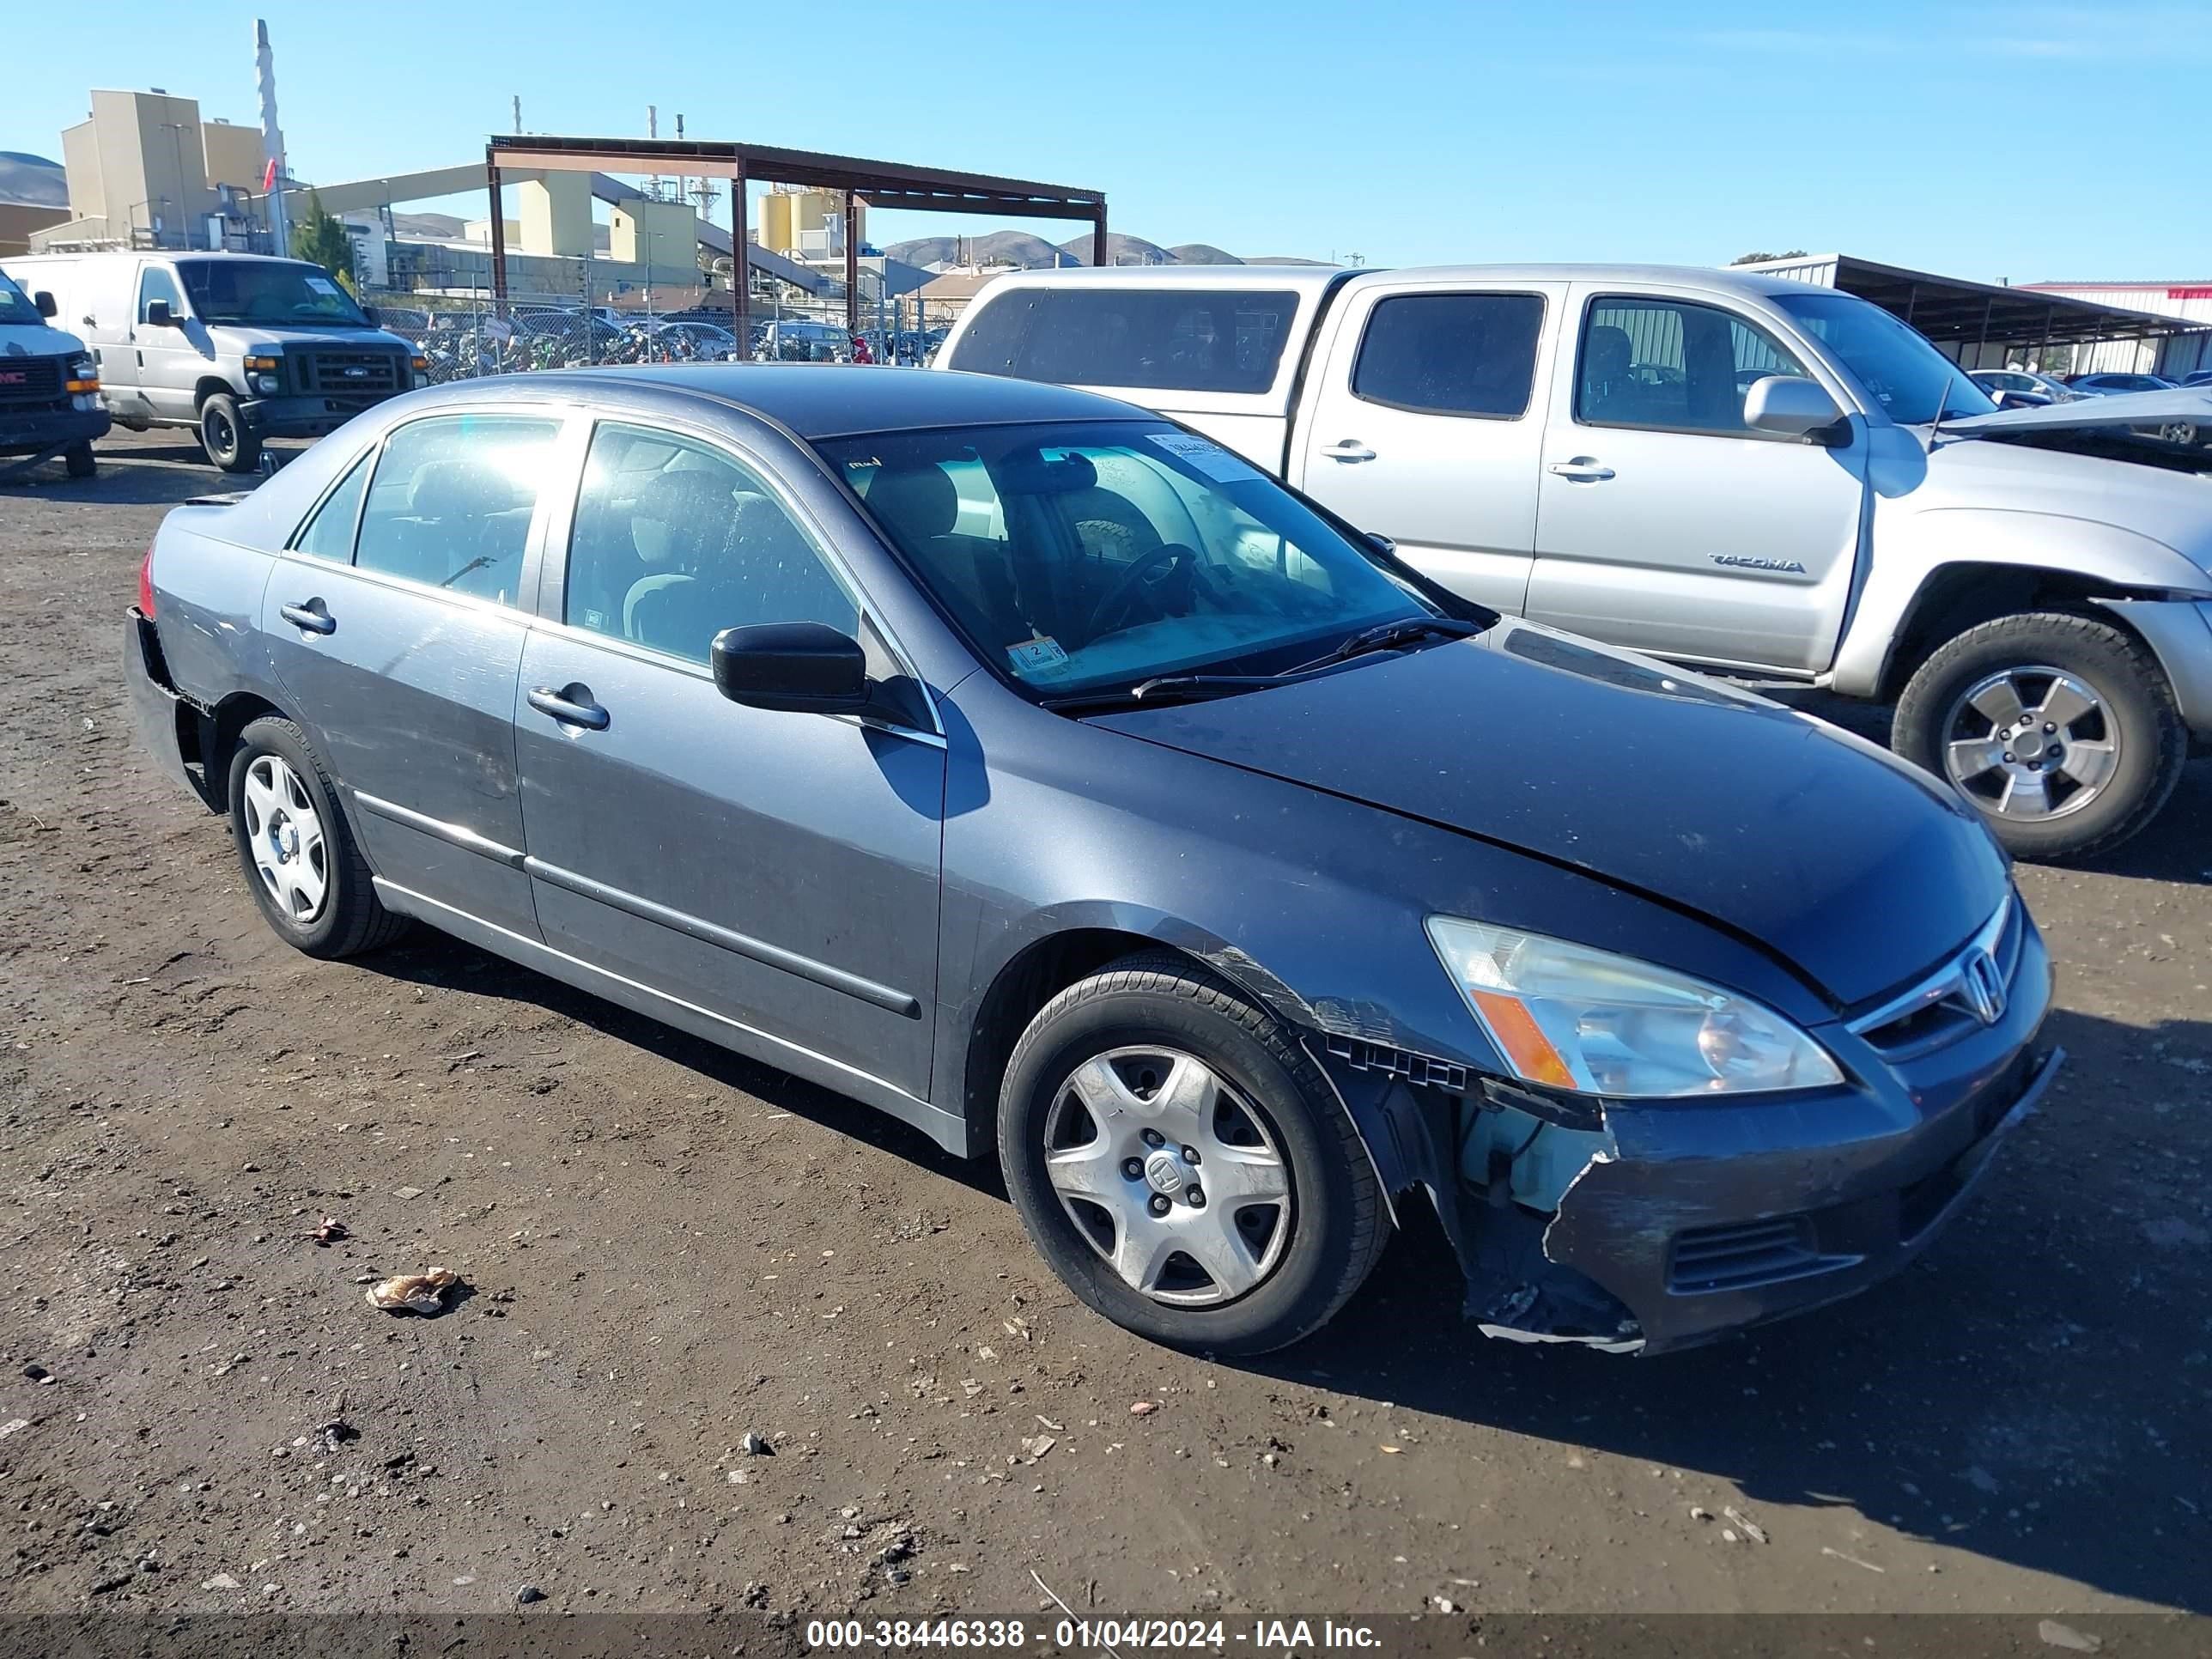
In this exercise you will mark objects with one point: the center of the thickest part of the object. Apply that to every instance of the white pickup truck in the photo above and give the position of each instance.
(1753, 476)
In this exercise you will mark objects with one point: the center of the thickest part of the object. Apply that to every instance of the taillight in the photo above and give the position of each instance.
(146, 585)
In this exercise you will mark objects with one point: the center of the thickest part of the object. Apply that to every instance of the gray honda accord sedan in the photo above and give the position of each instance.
(1043, 775)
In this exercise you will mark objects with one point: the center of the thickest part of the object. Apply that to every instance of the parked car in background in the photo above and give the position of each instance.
(1044, 774)
(1780, 481)
(235, 347)
(2198, 377)
(49, 387)
(794, 340)
(2022, 383)
(2103, 385)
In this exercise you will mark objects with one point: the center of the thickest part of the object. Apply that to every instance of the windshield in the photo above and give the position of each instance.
(16, 306)
(271, 291)
(1909, 378)
(1086, 555)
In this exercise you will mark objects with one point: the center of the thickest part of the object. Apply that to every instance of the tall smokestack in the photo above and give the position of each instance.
(272, 138)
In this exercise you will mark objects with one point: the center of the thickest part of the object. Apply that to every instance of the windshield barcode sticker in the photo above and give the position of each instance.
(1208, 456)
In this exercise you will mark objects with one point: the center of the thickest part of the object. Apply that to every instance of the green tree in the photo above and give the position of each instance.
(1762, 259)
(320, 239)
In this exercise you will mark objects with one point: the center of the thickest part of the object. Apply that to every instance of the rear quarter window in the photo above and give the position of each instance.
(1154, 339)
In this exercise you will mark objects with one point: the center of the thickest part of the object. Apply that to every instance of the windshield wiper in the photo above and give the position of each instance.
(1393, 636)
(1164, 689)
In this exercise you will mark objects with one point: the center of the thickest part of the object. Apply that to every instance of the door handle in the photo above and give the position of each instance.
(1583, 469)
(310, 616)
(1347, 449)
(571, 705)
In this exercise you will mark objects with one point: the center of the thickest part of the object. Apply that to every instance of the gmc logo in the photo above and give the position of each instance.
(15, 377)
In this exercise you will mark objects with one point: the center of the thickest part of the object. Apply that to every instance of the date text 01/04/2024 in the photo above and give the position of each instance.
(1076, 1634)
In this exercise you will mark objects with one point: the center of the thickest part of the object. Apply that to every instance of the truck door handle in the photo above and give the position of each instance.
(310, 615)
(571, 705)
(1583, 469)
(1347, 449)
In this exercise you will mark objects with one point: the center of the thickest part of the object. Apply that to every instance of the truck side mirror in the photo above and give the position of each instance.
(45, 301)
(373, 315)
(1788, 406)
(157, 314)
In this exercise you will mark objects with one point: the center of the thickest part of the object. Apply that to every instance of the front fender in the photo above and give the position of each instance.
(1913, 548)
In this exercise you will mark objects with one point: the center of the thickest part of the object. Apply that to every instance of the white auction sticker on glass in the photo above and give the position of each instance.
(1038, 656)
(1208, 456)
(322, 285)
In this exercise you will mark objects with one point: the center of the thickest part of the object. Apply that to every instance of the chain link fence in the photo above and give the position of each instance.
(464, 337)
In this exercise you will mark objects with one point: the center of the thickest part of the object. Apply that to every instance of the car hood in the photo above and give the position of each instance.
(288, 334)
(2120, 409)
(1819, 847)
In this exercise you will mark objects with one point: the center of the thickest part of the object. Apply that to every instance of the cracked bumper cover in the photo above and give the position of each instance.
(1847, 1187)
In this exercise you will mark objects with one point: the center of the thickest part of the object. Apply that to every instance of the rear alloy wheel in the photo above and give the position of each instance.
(2061, 729)
(1181, 1161)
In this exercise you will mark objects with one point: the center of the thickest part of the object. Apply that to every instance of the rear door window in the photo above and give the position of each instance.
(451, 502)
(329, 533)
(1451, 354)
(1175, 339)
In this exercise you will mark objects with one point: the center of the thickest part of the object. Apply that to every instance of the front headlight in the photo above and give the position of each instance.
(1567, 1017)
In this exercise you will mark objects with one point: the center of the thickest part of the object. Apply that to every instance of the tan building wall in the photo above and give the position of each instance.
(19, 219)
(143, 157)
(556, 215)
(232, 154)
(664, 234)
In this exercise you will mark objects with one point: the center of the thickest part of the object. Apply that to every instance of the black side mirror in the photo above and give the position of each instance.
(157, 314)
(373, 314)
(45, 301)
(800, 668)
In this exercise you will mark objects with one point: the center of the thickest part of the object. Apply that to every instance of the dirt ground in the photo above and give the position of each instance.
(669, 1248)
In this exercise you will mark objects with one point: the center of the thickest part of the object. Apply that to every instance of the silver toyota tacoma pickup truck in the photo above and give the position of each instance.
(1755, 476)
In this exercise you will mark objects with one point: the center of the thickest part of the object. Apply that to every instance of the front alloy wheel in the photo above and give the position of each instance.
(2059, 728)
(2030, 742)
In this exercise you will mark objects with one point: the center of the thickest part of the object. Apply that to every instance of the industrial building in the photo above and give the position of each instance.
(144, 170)
(2060, 328)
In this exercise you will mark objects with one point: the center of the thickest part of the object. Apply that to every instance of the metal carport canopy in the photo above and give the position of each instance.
(879, 184)
(1952, 312)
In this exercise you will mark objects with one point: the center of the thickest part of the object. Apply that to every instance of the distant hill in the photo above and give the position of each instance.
(1283, 259)
(1027, 252)
(997, 247)
(31, 180)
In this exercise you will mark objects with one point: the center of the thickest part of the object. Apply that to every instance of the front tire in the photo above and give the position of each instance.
(2060, 728)
(77, 460)
(1253, 1211)
(301, 863)
(224, 437)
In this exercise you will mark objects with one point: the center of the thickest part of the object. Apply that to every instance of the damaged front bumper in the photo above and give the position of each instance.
(1687, 1220)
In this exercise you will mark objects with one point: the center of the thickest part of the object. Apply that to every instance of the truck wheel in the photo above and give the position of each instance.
(224, 437)
(2060, 728)
(78, 461)
(1180, 1162)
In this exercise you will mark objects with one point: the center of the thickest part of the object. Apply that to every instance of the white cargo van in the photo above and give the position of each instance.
(236, 347)
(49, 392)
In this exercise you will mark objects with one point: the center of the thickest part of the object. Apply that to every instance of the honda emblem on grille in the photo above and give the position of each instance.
(1982, 983)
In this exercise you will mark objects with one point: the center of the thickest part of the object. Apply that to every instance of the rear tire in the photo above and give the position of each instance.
(301, 863)
(1268, 1124)
(2136, 716)
(224, 437)
(77, 460)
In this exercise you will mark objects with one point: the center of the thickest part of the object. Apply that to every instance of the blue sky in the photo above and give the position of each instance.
(1984, 141)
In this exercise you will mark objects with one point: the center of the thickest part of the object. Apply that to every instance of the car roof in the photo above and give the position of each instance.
(1711, 278)
(832, 400)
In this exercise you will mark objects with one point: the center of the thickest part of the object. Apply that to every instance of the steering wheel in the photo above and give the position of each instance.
(1166, 560)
